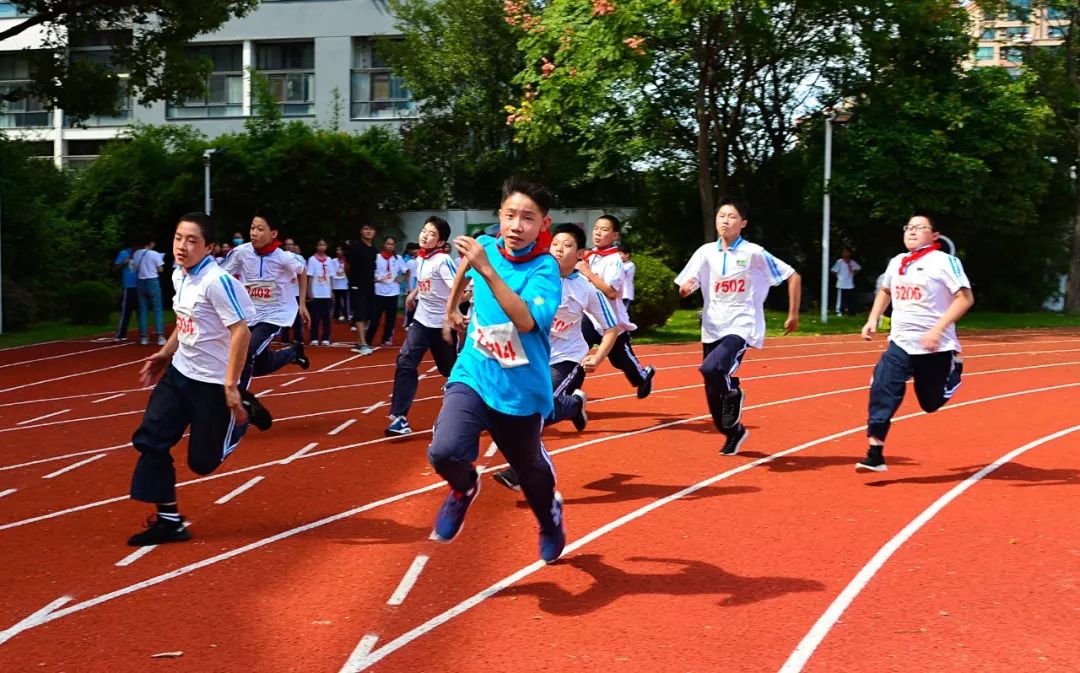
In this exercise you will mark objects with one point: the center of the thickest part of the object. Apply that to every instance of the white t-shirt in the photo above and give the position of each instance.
(207, 302)
(629, 269)
(434, 276)
(269, 282)
(921, 296)
(339, 280)
(579, 297)
(610, 270)
(734, 283)
(319, 275)
(386, 270)
(147, 262)
(845, 273)
(410, 267)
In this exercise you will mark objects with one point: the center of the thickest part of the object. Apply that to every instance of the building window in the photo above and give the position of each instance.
(1055, 32)
(376, 92)
(224, 96)
(1016, 32)
(1013, 55)
(28, 112)
(989, 34)
(11, 10)
(290, 69)
(1054, 13)
(97, 47)
(984, 54)
(1019, 10)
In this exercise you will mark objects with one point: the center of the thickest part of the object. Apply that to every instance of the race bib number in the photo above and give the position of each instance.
(730, 286)
(561, 329)
(500, 343)
(424, 286)
(912, 293)
(262, 291)
(186, 329)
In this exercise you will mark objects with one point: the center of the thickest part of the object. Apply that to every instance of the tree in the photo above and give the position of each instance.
(148, 39)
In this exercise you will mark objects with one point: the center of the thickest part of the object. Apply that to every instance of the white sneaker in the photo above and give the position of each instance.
(314, 342)
(143, 341)
(161, 341)
(352, 328)
(324, 343)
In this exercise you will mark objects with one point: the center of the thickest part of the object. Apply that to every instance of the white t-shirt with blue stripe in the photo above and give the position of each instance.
(207, 302)
(734, 283)
(921, 296)
(579, 298)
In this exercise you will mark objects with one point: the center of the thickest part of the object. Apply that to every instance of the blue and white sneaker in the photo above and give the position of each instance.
(399, 426)
(451, 515)
(553, 543)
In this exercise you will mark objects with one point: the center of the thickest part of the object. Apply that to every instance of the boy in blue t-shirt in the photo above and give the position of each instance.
(501, 381)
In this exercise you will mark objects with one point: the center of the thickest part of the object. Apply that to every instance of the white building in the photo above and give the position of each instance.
(308, 49)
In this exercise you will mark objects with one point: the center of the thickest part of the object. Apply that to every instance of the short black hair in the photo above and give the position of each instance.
(540, 194)
(573, 230)
(929, 218)
(441, 225)
(205, 224)
(412, 245)
(616, 226)
(273, 220)
(625, 247)
(740, 205)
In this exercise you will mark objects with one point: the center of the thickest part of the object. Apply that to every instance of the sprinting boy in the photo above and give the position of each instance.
(435, 276)
(501, 382)
(570, 356)
(603, 267)
(197, 373)
(929, 292)
(267, 273)
(734, 276)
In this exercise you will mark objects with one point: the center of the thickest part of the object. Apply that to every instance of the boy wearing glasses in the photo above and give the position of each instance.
(929, 293)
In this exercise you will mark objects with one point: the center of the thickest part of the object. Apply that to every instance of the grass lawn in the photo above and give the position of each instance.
(684, 325)
(58, 330)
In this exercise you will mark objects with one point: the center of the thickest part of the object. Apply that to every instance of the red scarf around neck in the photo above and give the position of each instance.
(321, 256)
(601, 252)
(908, 260)
(386, 255)
(542, 246)
(426, 253)
(267, 249)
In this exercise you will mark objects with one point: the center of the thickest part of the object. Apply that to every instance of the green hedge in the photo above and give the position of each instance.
(90, 302)
(655, 294)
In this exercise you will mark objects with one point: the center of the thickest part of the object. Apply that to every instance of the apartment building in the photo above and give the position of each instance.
(1002, 38)
(313, 52)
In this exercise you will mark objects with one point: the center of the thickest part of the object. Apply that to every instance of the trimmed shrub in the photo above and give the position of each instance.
(20, 307)
(655, 294)
(90, 302)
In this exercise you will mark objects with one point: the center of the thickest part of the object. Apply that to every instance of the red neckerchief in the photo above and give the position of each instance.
(426, 253)
(601, 252)
(267, 249)
(386, 255)
(542, 246)
(907, 260)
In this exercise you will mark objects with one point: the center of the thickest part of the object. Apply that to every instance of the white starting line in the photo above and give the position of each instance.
(361, 652)
(299, 453)
(135, 555)
(409, 581)
(342, 426)
(229, 496)
(41, 418)
(73, 466)
(289, 383)
(106, 399)
(373, 407)
(8, 492)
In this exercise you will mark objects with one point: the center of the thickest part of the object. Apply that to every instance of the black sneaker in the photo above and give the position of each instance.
(874, 461)
(257, 413)
(299, 358)
(646, 386)
(581, 419)
(507, 478)
(731, 409)
(734, 441)
(160, 531)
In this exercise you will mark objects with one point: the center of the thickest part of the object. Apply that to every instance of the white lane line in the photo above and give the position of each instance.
(41, 418)
(8, 492)
(806, 647)
(47, 614)
(264, 392)
(38, 400)
(65, 355)
(106, 399)
(361, 651)
(289, 383)
(34, 619)
(299, 453)
(432, 369)
(135, 555)
(409, 581)
(53, 459)
(491, 449)
(342, 426)
(232, 494)
(339, 362)
(73, 466)
(373, 407)
(70, 376)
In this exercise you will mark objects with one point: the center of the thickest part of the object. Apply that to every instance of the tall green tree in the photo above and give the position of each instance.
(149, 52)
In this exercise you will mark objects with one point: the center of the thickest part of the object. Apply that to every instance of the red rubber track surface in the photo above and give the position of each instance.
(293, 573)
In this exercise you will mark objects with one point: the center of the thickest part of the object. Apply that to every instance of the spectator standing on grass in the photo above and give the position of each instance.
(845, 269)
(320, 269)
(629, 271)
(360, 267)
(148, 264)
(129, 289)
(388, 268)
(929, 292)
(339, 283)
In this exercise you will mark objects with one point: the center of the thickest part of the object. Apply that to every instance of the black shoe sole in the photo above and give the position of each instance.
(645, 389)
(257, 413)
(738, 445)
(181, 535)
(860, 467)
(504, 480)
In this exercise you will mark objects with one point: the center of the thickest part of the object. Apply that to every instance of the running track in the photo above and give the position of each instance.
(778, 559)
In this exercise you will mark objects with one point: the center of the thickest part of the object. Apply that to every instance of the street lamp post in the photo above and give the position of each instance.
(207, 201)
(840, 118)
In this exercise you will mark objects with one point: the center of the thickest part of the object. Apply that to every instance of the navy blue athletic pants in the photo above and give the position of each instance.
(722, 360)
(418, 340)
(937, 376)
